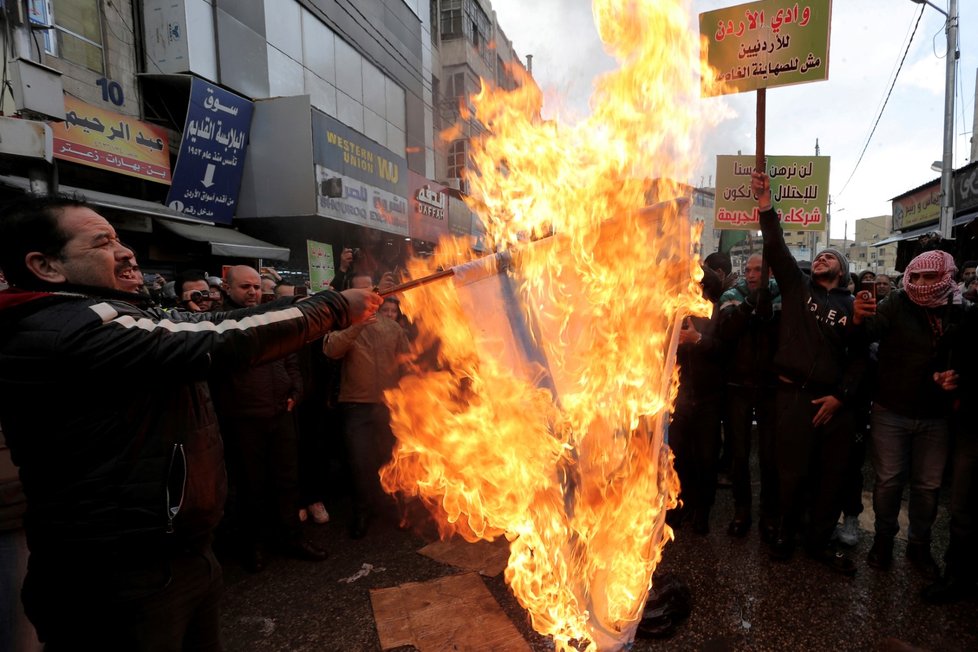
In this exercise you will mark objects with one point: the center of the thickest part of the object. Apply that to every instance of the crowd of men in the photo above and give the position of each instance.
(170, 397)
(833, 366)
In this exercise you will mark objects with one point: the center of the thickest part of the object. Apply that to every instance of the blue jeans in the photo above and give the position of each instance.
(905, 448)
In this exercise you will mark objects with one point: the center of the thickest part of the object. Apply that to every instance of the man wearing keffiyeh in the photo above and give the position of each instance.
(910, 410)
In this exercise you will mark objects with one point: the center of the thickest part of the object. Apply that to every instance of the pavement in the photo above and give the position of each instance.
(741, 599)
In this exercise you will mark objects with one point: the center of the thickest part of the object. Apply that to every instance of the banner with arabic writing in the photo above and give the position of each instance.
(104, 139)
(764, 44)
(207, 176)
(321, 270)
(799, 192)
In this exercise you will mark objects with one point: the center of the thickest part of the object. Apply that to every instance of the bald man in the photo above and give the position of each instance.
(255, 407)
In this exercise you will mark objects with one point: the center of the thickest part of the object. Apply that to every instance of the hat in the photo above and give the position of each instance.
(838, 255)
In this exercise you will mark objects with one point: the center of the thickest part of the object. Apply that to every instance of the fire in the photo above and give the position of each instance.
(542, 418)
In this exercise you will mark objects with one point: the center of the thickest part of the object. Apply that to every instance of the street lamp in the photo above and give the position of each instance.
(947, 166)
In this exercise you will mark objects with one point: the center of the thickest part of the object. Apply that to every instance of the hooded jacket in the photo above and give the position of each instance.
(813, 337)
(107, 413)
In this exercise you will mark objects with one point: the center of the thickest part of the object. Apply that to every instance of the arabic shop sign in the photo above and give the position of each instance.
(362, 204)
(429, 208)
(207, 176)
(321, 270)
(917, 209)
(104, 139)
(966, 188)
(764, 44)
(339, 148)
(799, 192)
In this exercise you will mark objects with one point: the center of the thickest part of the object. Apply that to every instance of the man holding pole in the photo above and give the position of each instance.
(817, 375)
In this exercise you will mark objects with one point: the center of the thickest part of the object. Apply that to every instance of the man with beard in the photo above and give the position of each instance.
(817, 375)
(748, 327)
(106, 411)
(909, 422)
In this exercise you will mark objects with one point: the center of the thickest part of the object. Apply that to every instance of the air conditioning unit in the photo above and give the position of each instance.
(37, 89)
(454, 183)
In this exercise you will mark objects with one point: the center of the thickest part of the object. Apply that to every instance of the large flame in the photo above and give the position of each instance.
(565, 459)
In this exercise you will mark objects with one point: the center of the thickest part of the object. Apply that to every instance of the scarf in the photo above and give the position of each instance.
(932, 296)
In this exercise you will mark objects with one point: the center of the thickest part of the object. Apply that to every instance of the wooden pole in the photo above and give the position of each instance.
(759, 162)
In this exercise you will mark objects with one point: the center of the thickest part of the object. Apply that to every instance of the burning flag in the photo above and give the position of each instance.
(542, 418)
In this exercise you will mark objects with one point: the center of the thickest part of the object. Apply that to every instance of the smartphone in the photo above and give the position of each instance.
(869, 288)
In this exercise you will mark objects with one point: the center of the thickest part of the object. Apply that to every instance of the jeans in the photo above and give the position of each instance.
(960, 555)
(694, 436)
(902, 448)
(743, 403)
(369, 443)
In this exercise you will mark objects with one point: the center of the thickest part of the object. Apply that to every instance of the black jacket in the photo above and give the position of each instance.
(107, 413)
(813, 337)
(910, 351)
(749, 337)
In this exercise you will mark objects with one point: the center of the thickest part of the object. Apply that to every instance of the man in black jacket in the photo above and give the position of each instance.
(106, 411)
(256, 411)
(909, 421)
(817, 374)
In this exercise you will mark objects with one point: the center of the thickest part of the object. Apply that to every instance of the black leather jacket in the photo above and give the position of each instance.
(106, 410)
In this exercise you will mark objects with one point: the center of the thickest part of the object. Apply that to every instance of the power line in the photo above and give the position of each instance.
(882, 108)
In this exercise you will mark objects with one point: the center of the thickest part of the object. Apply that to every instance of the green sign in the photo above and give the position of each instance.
(763, 44)
(799, 192)
(321, 270)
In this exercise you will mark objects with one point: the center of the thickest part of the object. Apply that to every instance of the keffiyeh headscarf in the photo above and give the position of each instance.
(932, 296)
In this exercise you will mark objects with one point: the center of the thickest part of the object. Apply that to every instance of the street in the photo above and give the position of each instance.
(741, 599)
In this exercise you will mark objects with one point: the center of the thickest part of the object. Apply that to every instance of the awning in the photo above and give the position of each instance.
(107, 200)
(225, 241)
(916, 233)
(906, 235)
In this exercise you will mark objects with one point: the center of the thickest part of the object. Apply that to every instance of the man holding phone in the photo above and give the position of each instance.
(909, 421)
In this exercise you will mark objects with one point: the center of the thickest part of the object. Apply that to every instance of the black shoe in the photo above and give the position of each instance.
(880, 555)
(701, 523)
(253, 560)
(919, 555)
(738, 527)
(835, 560)
(948, 590)
(768, 528)
(305, 549)
(358, 526)
(783, 543)
(675, 517)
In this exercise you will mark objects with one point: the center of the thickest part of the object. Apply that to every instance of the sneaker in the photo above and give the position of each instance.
(849, 532)
(319, 513)
(833, 559)
(303, 515)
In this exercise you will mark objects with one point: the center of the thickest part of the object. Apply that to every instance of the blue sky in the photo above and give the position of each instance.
(868, 37)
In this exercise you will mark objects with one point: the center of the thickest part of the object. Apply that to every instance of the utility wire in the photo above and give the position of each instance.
(882, 108)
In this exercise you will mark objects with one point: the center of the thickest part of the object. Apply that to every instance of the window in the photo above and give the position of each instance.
(457, 88)
(456, 158)
(481, 30)
(451, 19)
(77, 33)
